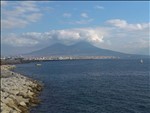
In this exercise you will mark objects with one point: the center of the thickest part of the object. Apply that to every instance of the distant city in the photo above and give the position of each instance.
(21, 59)
(81, 50)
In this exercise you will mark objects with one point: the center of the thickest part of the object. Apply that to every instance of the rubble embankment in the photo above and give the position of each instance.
(18, 93)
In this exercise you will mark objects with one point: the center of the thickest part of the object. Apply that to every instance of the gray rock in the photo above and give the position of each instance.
(17, 91)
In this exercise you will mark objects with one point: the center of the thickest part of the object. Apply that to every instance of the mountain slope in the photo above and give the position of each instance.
(78, 49)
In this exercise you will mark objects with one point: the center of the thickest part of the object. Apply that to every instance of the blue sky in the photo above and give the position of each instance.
(115, 25)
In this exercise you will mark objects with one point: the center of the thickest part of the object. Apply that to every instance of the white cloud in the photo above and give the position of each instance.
(18, 41)
(124, 25)
(99, 7)
(121, 36)
(84, 15)
(126, 37)
(67, 15)
(13, 22)
(118, 23)
(17, 14)
(85, 34)
(67, 36)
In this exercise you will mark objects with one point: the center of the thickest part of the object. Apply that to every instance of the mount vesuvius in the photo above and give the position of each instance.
(79, 49)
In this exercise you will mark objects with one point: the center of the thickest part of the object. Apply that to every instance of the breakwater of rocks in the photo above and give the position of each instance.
(18, 93)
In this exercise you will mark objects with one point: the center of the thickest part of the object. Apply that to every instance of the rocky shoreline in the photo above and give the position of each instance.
(18, 93)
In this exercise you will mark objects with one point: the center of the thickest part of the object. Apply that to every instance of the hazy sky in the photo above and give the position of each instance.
(119, 26)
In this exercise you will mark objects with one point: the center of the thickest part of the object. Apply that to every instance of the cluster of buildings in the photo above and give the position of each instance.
(21, 59)
(70, 57)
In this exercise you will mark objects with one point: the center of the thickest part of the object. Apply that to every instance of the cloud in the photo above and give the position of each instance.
(99, 7)
(118, 35)
(122, 24)
(84, 15)
(18, 41)
(18, 14)
(67, 15)
(79, 34)
(66, 36)
(126, 37)
(13, 22)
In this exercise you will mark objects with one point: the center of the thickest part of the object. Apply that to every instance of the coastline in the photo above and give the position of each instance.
(18, 93)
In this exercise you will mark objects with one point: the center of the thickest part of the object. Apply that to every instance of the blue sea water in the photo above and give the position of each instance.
(91, 86)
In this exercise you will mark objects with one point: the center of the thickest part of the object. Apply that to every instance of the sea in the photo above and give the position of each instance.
(91, 86)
